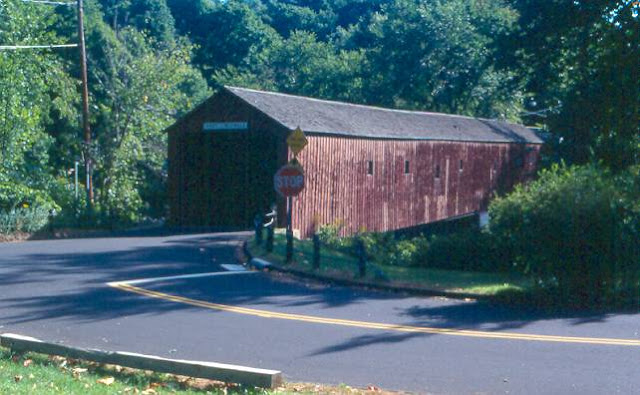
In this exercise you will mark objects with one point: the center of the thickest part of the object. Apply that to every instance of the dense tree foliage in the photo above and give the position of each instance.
(570, 67)
(582, 65)
(585, 223)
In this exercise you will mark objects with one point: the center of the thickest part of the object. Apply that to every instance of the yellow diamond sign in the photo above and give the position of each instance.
(297, 141)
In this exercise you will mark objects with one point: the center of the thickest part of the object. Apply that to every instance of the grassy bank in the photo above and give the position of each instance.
(338, 265)
(33, 373)
(39, 374)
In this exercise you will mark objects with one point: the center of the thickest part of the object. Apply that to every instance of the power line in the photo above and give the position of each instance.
(69, 3)
(85, 89)
(18, 47)
(50, 46)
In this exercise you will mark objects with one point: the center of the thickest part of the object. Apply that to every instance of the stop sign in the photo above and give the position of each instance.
(289, 180)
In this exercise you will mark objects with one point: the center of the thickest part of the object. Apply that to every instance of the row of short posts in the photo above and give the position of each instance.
(360, 250)
(259, 226)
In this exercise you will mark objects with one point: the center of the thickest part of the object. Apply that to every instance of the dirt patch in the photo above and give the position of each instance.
(57, 234)
(14, 237)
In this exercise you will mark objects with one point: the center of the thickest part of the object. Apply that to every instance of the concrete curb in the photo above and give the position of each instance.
(208, 370)
(262, 264)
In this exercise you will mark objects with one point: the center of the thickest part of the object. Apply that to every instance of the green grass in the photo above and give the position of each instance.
(38, 374)
(334, 264)
(32, 373)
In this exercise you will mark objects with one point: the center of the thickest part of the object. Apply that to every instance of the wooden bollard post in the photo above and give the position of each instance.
(289, 245)
(257, 223)
(316, 251)
(362, 256)
(270, 238)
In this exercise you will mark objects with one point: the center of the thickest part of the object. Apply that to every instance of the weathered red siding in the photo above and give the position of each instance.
(338, 188)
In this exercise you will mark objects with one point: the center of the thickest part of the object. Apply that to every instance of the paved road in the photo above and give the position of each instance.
(56, 290)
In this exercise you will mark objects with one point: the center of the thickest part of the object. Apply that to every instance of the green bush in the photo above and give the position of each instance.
(465, 250)
(576, 231)
(472, 249)
(24, 209)
(330, 235)
(15, 195)
(29, 220)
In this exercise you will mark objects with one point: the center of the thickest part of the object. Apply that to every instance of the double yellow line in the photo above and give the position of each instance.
(374, 325)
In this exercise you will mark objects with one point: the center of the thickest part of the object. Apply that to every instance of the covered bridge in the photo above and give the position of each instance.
(366, 167)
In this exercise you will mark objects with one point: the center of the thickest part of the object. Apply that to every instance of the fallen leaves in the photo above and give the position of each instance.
(17, 378)
(310, 388)
(27, 362)
(75, 372)
(106, 381)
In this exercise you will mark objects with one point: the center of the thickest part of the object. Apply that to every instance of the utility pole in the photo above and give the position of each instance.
(85, 107)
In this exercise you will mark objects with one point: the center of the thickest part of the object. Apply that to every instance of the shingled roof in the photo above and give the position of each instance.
(317, 116)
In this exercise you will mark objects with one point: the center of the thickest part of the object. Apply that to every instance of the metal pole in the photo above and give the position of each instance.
(85, 105)
(289, 230)
(75, 174)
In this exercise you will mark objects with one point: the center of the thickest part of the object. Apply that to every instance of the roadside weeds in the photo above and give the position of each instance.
(31, 373)
(341, 269)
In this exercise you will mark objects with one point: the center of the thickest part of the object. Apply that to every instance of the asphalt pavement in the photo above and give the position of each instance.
(59, 291)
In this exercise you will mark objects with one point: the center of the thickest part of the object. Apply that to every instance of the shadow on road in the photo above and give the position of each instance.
(66, 280)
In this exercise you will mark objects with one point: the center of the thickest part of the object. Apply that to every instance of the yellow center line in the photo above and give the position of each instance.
(374, 325)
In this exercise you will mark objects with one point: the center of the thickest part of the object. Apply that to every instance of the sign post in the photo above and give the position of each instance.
(289, 182)
(289, 253)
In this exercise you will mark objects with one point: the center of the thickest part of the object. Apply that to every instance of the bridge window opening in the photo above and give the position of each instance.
(407, 167)
(370, 167)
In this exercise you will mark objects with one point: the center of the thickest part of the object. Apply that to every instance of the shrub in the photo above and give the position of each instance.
(29, 220)
(330, 235)
(464, 250)
(576, 231)
(403, 253)
(24, 209)
(384, 249)
(14, 196)
(472, 249)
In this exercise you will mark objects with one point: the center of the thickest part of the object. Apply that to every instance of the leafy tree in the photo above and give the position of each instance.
(289, 17)
(230, 34)
(305, 66)
(33, 86)
(583, 65)
(139, 89)
(440, 56)
(151, 16)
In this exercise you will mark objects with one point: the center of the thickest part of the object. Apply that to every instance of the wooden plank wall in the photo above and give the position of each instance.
(338, 188)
